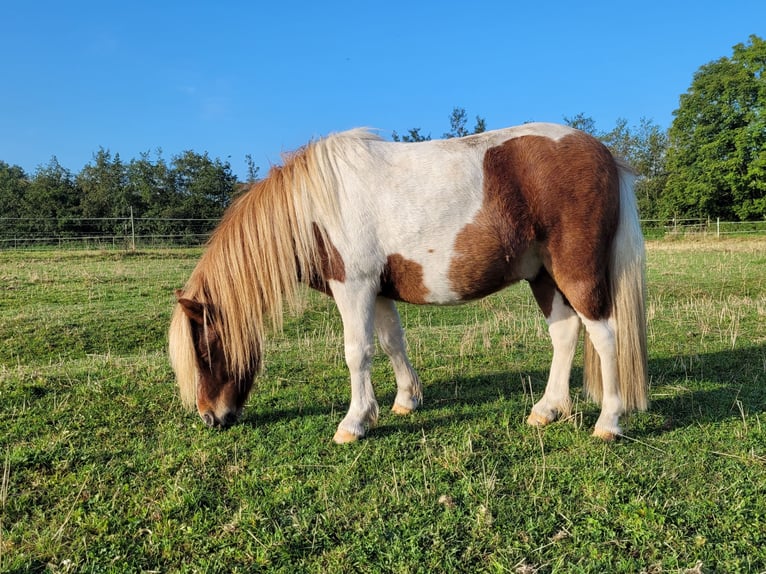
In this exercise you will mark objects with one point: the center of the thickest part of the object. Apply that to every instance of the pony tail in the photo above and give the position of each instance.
(628, 284)
(627, 280)
(591, 371)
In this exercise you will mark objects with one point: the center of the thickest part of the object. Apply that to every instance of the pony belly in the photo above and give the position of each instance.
(487, 272)
(457, 278)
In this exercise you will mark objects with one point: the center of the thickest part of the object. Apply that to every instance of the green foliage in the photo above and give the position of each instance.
(412, 135)
(583, 123)
(206, 186)
(51, 198)
(717, 152)
(13, 186)
(151, 186)
(55, 203)
(643, 147)
(102, 471)
(252, 169)
(52, 192)
(458, 120)
(103, 186)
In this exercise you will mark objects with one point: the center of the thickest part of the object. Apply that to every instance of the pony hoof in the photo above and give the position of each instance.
(537, 420)
(344, 437)
(605, 435)
(400, 410)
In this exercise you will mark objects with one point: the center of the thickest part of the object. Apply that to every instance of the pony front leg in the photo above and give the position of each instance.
(356, 302)
(409, 394)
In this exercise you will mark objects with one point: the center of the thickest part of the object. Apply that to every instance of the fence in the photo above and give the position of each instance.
(103, 232)
(705, 227)
(130, 232)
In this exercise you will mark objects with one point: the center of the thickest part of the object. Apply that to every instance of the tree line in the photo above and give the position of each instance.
(711, 162)
(169, 195)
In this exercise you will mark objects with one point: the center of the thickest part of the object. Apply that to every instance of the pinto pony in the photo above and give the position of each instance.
(371, 222)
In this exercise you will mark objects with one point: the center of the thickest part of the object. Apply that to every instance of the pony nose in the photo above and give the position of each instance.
(213, 421)
(209, 419)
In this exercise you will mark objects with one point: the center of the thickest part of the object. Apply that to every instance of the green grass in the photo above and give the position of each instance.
(104, 472)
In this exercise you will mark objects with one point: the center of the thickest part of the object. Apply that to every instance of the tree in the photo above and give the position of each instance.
(13, 186)
(205, 186)
(717, 141)
(252, 169)
(104, 187)
(54, 202)
(644, 148)
(583, 123)
(51, 199)
(413, 135)
(149, 185)
(13, 189)
(458, 119)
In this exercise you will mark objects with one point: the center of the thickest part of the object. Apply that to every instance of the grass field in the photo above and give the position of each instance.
(102, 471)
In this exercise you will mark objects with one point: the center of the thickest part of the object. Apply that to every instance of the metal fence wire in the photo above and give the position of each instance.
(96, 232)
(131, 232)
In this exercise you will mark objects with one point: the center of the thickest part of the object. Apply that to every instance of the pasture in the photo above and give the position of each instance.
(102, 471)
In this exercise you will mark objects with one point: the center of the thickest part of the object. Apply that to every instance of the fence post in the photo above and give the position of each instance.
(132, 231)
(718, 228)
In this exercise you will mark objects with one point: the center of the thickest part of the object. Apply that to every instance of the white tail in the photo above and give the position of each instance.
(628, 292)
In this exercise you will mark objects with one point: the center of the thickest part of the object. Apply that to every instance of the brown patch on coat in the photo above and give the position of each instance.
(402, 280)
(331, 266)
(555, 202)
(544, 289)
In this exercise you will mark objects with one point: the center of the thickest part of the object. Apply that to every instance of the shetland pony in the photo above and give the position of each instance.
(371, 222)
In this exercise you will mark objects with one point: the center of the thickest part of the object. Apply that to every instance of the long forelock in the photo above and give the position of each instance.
(183, 356)
(266, 240)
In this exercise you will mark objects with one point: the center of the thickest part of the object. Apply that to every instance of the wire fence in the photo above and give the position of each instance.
(103, 232)
(706, 227)
(130, 233)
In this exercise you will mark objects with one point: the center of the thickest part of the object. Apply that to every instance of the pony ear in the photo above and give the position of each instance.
(193, 309)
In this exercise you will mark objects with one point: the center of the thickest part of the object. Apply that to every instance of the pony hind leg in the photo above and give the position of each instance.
(564, 330)
(409, 394)
(601, 332)
(356, 304)
(602, 336)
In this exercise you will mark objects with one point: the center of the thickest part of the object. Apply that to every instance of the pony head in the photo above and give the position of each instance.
(269, 238)
(205, 376)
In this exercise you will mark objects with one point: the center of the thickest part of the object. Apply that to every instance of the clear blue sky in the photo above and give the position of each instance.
(260, 78)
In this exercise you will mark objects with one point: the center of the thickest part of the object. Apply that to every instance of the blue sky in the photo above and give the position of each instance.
(261, 78)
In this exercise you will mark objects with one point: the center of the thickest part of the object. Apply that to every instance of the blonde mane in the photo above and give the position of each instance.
(267, 239)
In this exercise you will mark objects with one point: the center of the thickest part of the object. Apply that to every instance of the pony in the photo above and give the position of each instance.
(371, 222)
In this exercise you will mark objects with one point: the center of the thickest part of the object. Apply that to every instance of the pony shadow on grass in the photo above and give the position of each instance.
(685, 390)
(704, 388)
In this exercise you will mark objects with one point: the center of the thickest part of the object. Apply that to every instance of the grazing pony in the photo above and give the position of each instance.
(371, 222)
